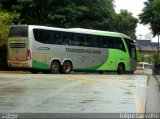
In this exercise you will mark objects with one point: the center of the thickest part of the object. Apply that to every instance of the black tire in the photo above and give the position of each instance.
(120, 69)
(67, 67)
(55, 67)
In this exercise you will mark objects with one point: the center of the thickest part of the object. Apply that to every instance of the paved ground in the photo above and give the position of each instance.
(153, 96)
(47, 93)
(158, 78)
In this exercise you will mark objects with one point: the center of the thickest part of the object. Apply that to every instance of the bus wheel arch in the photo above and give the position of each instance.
(121, 68)
(55, 66)
(67, 66)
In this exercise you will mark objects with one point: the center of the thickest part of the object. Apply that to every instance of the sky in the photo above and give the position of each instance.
(135, 7)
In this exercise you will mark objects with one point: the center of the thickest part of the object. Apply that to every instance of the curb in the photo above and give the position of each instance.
(15, 72)
(158, 79)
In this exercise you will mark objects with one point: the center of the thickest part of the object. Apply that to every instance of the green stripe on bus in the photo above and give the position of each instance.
(40, 65)
(110, 63)
(107, 34)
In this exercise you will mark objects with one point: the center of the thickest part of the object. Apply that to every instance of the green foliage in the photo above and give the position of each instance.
(149, 59)
(151, 15)
(157, 63)
(65, 13)
(99, 14)
(145, 58)
(0, 6)
(6, 19)
(140, 57)
(157, 58)
(125, 23)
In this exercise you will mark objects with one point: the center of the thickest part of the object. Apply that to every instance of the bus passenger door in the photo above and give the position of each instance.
(133, 59)
(40, 56)
(41, 50)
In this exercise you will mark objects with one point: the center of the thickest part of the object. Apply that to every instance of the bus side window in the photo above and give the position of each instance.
(66, 38)
(119, 44)
(49, 37)
(97, 41)
(90, 41)
(40, 35)
(72, 40)
(57, 38)
(104, 42)
(81, 41)
(110, 43)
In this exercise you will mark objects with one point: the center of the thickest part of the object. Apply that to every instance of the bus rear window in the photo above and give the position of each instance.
(18, 31)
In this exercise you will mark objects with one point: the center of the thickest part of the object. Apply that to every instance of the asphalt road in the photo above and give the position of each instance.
(78, 93)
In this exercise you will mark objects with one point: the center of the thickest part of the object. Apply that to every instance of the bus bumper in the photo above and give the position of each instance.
(22, 64)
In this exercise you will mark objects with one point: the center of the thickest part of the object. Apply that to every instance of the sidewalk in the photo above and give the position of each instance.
(158, 78)
(153, 95)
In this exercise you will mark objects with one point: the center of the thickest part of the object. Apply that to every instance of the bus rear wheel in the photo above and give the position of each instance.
(120, 69)
(67, 67)
(55, 67)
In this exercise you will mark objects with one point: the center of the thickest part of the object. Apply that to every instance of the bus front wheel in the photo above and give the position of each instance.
(55, 67)
(120, 69)
(67, 67)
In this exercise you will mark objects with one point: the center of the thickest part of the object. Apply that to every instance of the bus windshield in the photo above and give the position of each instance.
(131, 48)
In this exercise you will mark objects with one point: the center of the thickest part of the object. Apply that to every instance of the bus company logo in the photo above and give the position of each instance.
(88, 51)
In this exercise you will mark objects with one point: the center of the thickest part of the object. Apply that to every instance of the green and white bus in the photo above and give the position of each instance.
(62, 50)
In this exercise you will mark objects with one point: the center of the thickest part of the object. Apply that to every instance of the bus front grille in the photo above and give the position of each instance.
(17, 45)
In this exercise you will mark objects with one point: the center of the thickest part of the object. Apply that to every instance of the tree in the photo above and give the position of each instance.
(125, 23)
(64, 13)
(151, 15)
(99, 15)
(6, 19)
(140, 57)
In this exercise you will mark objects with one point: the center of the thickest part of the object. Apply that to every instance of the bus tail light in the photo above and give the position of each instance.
(28, 57)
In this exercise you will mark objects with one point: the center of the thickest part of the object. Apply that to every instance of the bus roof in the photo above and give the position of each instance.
(80, 30)
(90, 31)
